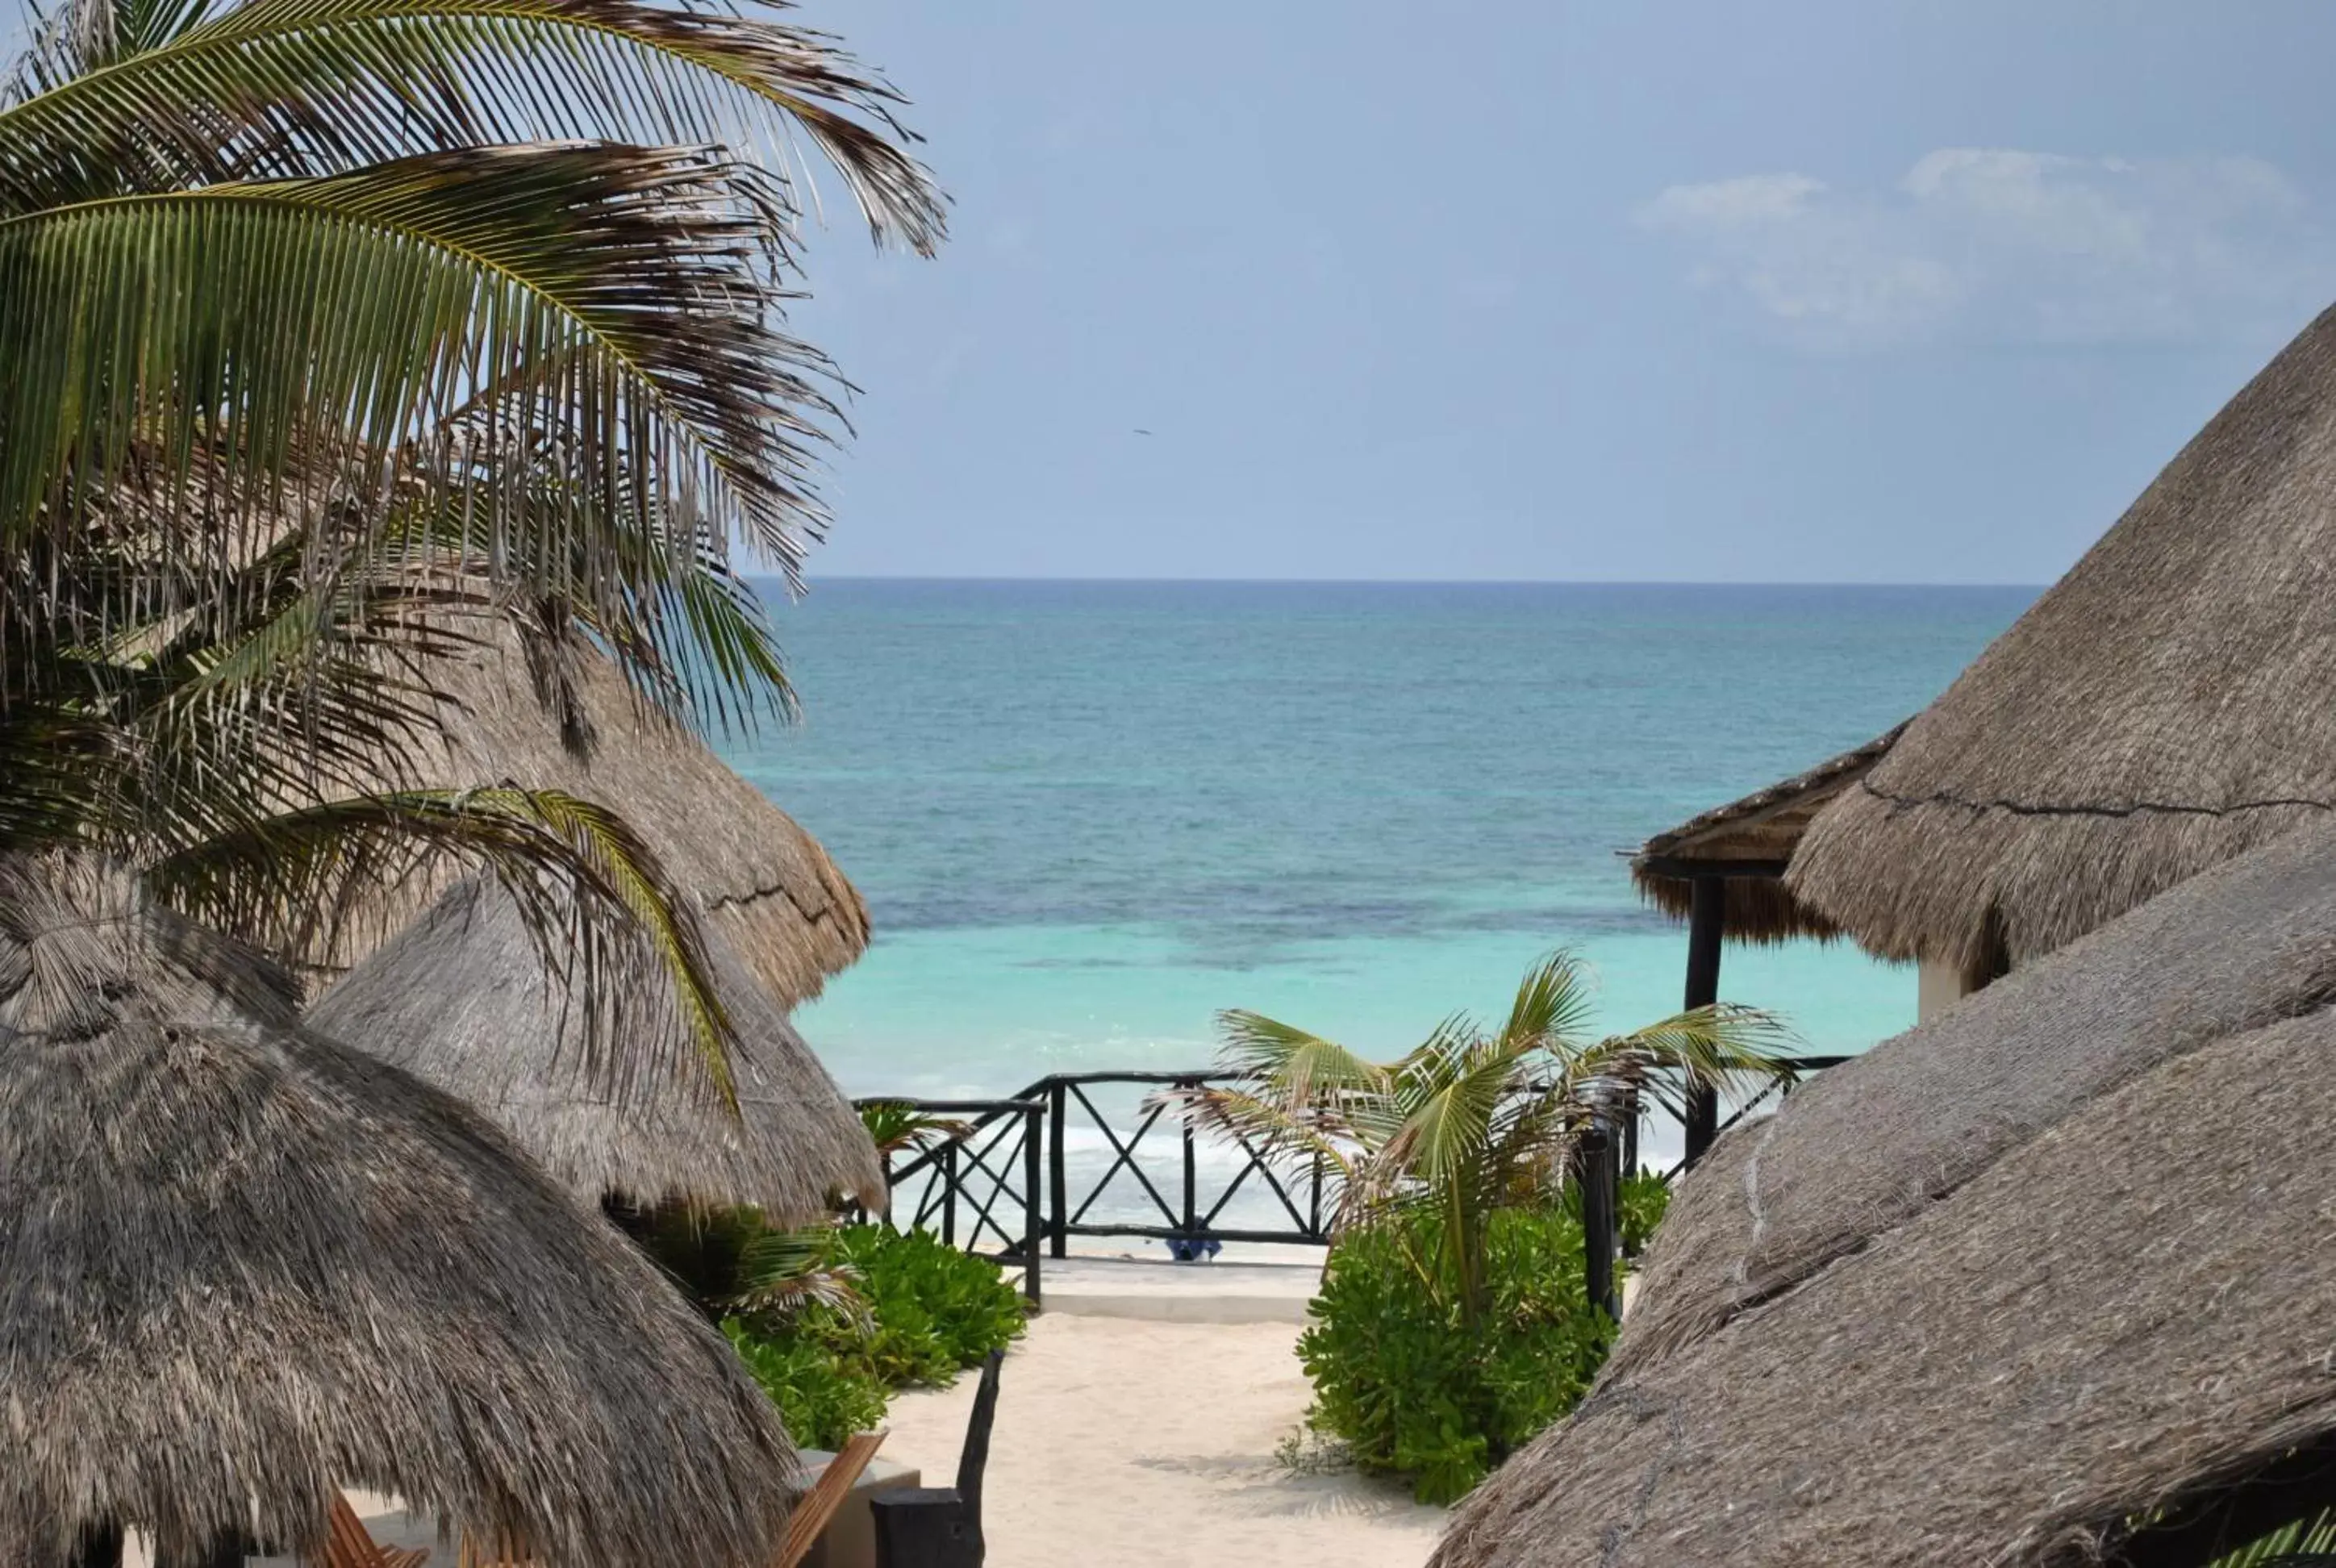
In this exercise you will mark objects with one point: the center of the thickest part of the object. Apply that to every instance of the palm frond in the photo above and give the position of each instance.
(1291, 1066)
(1552, 1003)
(1445, 1138)
(607, 921)
(312, 336)
(1725, 1048)
(278, 87)
(782, 1273)
(896, 1126)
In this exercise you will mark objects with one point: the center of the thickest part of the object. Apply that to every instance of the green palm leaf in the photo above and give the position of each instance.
(186, 93)
(299, 321)
(584, 881)
(1294, 1067)
(1466, 1123)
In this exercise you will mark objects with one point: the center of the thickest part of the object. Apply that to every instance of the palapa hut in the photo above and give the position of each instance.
(241, 1265)
(2165, 706)
(762, 883)
(2060, 1262)
(1722, 872)
(461, 998)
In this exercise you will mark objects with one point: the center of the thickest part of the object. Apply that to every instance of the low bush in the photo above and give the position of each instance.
(1642, 1202)
(1410, 1387)
(937, 1310)
(821, 1395)
(916, 1314)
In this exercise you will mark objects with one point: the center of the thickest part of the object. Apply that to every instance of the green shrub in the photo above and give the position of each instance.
(1412, 1389)
(937, 1310)
(822, 1399)
(895, 1309)
(1643, 1201)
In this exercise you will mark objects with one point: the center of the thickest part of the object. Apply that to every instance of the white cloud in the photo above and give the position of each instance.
(2007, 246)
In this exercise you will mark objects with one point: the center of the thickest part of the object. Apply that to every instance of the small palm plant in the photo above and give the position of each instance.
(1469, 1121)
(898, 1126)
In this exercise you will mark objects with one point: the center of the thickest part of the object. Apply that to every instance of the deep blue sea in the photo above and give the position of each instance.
(1088, 816)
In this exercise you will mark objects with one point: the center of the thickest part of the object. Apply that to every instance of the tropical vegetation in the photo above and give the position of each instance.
(1453, 1321)
(1409, 1388)
(831, 1320)
(339, 332)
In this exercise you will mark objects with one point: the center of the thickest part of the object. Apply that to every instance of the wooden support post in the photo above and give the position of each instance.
(1598, 1224)
(947, 1164)
(1058, 1186)
(1191, 1176)
(1033, 1219)
(1707, 924)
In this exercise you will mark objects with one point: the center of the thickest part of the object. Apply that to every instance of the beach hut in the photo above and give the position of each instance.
(2162, 707)
(1723, 872)
(242, 1265)
(2046, 1280)
(760, 880)
(462, 1000)
(448, 983)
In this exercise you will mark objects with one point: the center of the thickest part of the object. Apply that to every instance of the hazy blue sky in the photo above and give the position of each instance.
(1850, 291)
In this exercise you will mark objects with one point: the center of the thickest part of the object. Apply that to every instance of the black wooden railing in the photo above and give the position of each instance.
(1004, 1189)
(969, 1179)
(1193, 1216)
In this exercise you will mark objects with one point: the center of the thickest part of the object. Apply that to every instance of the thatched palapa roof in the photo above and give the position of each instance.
(462, 1000)
(2058, 1260)
(241, 1265)
(2164, 708)
(1755, 834)
(763, 883)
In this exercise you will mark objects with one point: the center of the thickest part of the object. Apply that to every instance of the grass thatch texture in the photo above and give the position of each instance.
(2160, 710)
(461, 1000)
(241, 1265)
(2048, 1264)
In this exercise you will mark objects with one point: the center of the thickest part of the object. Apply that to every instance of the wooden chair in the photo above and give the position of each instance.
(349, 1546)
(815, 1507)
(941, 1526)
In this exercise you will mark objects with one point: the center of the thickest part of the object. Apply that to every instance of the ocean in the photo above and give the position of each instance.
(1088, 816)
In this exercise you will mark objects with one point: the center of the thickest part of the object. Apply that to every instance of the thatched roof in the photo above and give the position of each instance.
(2055, 1259)
(462, 1000)
(1760, 830)
(2165, 706)
(763, 883)
(241, 1265)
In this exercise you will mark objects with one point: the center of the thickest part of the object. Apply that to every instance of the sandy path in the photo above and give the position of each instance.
(1145, 1445)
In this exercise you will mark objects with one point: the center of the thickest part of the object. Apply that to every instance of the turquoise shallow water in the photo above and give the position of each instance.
(1087, 816)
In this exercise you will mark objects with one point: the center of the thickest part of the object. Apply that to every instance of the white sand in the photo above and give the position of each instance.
(1149, 1444)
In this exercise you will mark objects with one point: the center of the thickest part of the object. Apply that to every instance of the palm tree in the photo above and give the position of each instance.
(1469, 1121)
(328, 324)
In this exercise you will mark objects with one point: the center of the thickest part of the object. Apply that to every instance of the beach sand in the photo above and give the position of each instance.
(1150, 1444)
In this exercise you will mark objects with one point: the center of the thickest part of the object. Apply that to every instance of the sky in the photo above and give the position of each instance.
(1812, 291)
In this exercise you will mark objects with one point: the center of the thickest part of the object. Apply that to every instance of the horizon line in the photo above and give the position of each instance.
(813, 579)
